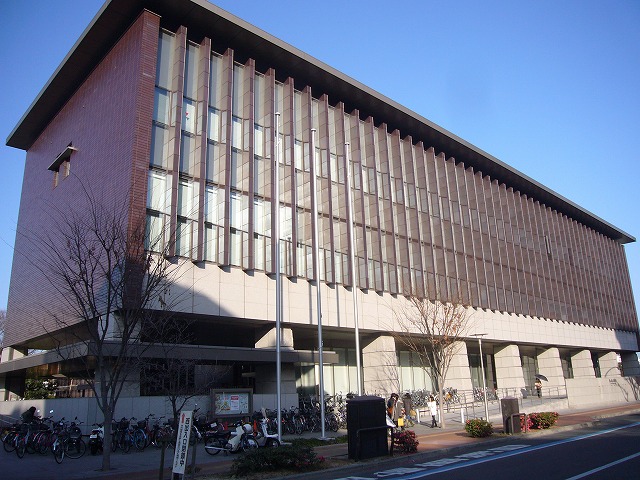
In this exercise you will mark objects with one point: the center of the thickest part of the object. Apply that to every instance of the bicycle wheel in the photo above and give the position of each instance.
(249, 443)
(333, 424)
(58, 451)
(8, 442)
(75, 448)
(127, 441)
(213, 442)
(272, 443)
(21, 446)
(42, 443)
(139, 439)
(29, 445)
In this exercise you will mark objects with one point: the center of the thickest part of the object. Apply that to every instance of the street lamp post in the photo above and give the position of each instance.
(484, 383)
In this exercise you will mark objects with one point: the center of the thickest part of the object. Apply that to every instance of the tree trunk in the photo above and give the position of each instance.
(441, 402)
(106, 444)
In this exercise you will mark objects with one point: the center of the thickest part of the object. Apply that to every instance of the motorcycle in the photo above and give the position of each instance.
(96, 438)
(264, 438)
(229, 441)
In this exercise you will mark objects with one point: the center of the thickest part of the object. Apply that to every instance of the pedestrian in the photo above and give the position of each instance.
(29, 415)
(408, 408)
(539, 387)
(433, 409)
(391, 407)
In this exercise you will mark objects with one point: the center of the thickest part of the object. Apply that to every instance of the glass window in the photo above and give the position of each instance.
(213, 154)
(298, 154)
(210, 242)
(214, 125)
(165, 60)
(162, 106)
(258, 140)
(191, 71)
(215, 80)
(212, 205)
(236, 133)
(189, 116)
(187, 153)
(157, 191)
(183, 237)
(154, 229)
(185, 199)
(159, 145)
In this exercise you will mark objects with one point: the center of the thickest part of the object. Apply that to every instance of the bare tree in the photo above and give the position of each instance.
(174, 369)
(433, 331)
(111, 284)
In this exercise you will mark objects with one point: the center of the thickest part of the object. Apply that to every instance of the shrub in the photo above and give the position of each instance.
(478, 428)
(287, 457)
(543, 419)
(406, 441)
(525, 423)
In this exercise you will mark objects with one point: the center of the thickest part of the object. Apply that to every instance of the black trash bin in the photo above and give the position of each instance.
(367, 427)
(510, 415)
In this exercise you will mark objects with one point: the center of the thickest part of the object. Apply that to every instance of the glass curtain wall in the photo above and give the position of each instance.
(424, 223)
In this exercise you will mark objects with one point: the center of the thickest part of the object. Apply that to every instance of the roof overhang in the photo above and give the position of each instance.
(206, 19)
(187, 352)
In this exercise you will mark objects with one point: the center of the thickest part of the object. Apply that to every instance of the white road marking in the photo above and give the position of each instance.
(604, 467)
(446, 465)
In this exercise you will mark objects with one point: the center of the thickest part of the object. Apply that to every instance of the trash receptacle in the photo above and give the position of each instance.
(510, 415)
(366, 427)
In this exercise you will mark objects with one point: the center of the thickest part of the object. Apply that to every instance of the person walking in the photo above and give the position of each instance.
(539, 387)
(392, 411)
(433, 410)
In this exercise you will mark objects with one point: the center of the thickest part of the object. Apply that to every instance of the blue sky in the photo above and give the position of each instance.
(551, 88)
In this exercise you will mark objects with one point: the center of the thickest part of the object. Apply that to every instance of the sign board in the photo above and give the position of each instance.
(182, 442)
(232, 402)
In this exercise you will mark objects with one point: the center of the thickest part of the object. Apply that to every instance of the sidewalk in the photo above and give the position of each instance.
(145, 465)
(431, 439)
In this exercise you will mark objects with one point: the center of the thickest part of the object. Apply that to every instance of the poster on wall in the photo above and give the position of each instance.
(236, 402)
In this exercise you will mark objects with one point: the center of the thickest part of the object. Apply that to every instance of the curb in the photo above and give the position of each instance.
(427, 455)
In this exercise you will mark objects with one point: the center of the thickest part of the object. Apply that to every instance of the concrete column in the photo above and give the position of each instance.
(265, 379)
(130, 388)
(550, 366)
(10, 353)
(12, 385)
(459, 374)
(609, 365)
(509, 376)
(268, 339)
(4, 391)
(582, 364)
(380, 366)
(630, 365)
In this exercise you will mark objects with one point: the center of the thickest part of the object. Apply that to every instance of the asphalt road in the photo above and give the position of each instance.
(44, 467)
(609, 450)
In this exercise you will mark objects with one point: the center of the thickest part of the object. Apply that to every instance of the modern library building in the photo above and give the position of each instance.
(221, 137)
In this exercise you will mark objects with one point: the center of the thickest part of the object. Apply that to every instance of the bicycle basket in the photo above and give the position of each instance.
(142, 423)
(75, 432)
(123, 423)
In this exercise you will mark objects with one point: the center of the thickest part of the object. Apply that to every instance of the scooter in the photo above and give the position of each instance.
(264, 438)
(96, 438)
(229, 441)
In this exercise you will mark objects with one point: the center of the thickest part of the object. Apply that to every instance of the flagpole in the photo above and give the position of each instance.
(354, 283)
(316, 268)
(276, 239)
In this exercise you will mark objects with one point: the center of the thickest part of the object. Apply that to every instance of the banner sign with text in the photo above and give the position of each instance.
(182, 442)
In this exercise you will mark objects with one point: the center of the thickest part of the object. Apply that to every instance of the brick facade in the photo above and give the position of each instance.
(107, 121)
